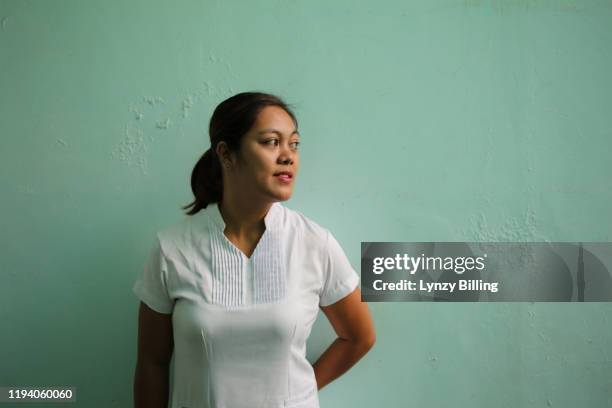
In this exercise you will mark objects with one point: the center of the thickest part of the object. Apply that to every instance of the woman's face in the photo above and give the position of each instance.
(269, 147)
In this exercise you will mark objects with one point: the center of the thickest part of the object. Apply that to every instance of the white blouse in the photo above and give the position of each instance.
(241, 324)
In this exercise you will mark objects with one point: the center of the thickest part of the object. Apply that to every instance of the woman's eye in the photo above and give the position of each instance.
(275, 142)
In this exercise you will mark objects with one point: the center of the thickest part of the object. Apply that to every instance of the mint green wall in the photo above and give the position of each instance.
(446, 120)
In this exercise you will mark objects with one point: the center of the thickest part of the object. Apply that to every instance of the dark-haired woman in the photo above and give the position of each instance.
(232, 290)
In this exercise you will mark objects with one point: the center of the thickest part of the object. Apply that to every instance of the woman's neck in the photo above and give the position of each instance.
(242, 219)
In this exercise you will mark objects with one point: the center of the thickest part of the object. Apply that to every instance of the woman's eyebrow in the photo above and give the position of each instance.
(295, 132)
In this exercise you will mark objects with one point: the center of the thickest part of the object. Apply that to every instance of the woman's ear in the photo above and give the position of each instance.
(224, 155)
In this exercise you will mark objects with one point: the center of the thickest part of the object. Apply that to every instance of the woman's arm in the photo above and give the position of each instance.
(155, 345)
(353, 324)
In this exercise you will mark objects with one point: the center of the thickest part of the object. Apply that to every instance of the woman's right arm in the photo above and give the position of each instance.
(155, 345)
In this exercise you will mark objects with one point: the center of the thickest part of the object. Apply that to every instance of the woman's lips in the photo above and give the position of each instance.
(284, 178)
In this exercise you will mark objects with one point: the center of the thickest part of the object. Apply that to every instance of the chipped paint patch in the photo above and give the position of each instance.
(152, 100)
(187, 105)
(138, 115)
(513, 230)
(27, 190)
(132, 148)
(163, 124)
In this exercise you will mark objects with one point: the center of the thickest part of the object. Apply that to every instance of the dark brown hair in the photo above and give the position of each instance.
(230, 121)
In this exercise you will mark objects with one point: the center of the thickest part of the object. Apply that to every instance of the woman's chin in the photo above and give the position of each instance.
(283, 195)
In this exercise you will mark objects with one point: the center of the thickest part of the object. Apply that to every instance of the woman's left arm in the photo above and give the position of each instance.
(352, 322)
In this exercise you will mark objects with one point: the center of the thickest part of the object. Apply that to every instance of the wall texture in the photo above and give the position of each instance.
(423, 120)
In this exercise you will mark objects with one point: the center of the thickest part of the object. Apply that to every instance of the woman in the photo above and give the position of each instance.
(234, 289)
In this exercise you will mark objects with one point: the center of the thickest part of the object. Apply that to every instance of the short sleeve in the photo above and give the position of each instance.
(340, 277)
(151, 286)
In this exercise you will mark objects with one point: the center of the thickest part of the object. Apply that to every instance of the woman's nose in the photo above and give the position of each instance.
(286, 155)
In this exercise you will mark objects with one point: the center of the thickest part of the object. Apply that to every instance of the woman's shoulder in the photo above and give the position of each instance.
(304, 224)
(182, 231)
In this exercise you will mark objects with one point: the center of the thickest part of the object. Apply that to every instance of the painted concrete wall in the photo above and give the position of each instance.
(423, 120)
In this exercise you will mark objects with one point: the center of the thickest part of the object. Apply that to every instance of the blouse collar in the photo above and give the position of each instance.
(271, 219)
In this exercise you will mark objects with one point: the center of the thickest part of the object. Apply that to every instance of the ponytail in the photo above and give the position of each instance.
(206, 183)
